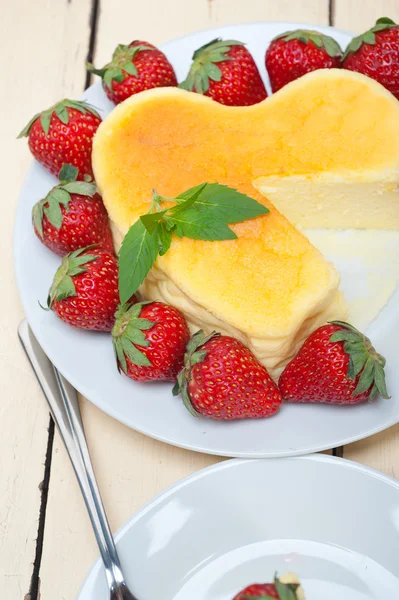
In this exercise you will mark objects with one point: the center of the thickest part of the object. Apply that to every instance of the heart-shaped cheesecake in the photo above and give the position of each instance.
(270, 287)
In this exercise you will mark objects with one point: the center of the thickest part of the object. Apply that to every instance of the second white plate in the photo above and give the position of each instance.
(332, 522)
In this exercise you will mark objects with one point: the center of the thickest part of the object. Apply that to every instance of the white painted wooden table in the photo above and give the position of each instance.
(44, 46)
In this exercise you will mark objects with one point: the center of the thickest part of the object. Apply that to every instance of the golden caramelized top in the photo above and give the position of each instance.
(267, 280)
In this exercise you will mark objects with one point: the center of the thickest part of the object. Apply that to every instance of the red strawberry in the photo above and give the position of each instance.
(225, 71)
(135, 68)
(294, 53)
(269, 591)
(84, 292)
(375, 53)
(222, 379)
(72, 216)
(150, 340)
(63, 134)
(338, 365)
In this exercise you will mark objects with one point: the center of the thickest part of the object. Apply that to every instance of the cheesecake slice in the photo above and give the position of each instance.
(270, 287)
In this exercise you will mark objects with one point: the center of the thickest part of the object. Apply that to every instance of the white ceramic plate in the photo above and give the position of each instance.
(86, 359)
(332, 522)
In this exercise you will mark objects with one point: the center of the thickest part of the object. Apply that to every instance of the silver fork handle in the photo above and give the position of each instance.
(64, 406)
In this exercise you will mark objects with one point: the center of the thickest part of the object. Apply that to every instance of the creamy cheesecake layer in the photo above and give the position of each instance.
(351, 200)
(274, 352)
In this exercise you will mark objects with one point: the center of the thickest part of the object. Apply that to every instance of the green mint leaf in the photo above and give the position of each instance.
(225, 203)
(201, 226)
(151, 220)
(137, 255)
(190, 197)
(164, 238)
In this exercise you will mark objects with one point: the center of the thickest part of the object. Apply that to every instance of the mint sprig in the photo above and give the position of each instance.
(201, 213)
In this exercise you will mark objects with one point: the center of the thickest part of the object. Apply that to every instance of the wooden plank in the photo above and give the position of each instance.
(382, 450)
(156, 21)
(36, 71)
(360, 15)
(379, 452)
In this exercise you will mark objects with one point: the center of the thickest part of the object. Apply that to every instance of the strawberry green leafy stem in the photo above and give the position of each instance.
(285, 591)
(369, 36)
(320, 40)
(193, 356)
(72, 264)
(200, 213)
(60, 195)
(363, 359)
(122, 64)
(60, 110)
(205, 68)
(127, 333)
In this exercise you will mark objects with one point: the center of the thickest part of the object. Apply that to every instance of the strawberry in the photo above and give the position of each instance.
(269, 591)
(84, 292)
(375, 53)
(222, 379)
(337, 365)
(294, 53)
(150, 340)
(134, 68)
(63, 134)
(225, 71)
(72, 216)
